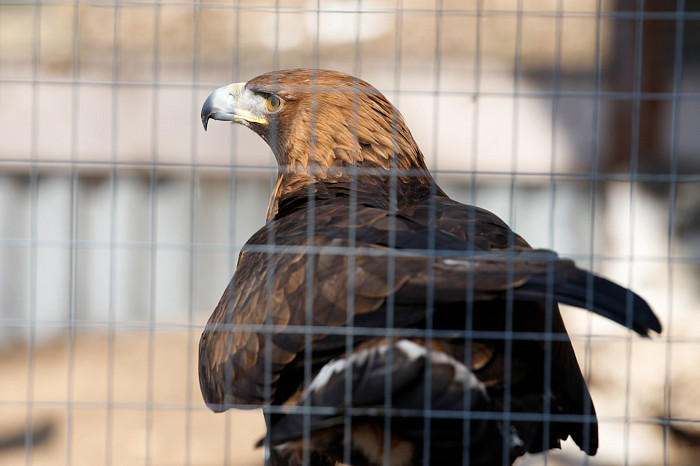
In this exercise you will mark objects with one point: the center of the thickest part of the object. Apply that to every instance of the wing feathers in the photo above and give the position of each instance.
(585, 290)
(416, 274)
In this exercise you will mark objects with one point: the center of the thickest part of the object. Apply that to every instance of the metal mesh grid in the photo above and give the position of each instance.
(121, 220)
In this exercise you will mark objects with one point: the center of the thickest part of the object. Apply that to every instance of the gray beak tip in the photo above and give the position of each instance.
(206, 111)
(221, 105)
(211, 105)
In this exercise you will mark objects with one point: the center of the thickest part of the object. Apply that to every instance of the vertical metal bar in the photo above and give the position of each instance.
(350, 312)
(276, 40)
(517, 71)
(673, 194)
(508, 333)
(550, 303)
(113, 183)
(315, 54)
(267, 370)
(634, 167)
(476, 101)
(391, 262)
(432, 226)
(592, 192)
(357, 49)
(270, 259)
(310, 233)
(233, 247)
(153, 233)
(352, 257)
(471, 234)
(33, 231)
(75, 75)
(194, 221)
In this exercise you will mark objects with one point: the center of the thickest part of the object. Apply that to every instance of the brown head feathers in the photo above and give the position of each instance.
(332, 119)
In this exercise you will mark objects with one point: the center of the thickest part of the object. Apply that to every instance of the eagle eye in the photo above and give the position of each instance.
(274, 103)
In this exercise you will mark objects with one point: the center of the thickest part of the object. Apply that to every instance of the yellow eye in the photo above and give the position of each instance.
(273, 103)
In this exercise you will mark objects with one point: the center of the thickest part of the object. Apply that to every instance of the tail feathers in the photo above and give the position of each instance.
(450, 382)
(406, 360)
(585, 290)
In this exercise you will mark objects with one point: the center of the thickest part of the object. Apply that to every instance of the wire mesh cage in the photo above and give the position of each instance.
(121, 220)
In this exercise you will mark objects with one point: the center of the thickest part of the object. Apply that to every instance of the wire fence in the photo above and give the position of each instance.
(121, 220)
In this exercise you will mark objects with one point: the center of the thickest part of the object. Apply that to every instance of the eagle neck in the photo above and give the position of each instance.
(288, 182)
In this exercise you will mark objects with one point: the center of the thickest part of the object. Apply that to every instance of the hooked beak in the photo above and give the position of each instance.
(224, 104)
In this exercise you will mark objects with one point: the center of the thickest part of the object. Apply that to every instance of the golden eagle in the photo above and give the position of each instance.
(376, 319)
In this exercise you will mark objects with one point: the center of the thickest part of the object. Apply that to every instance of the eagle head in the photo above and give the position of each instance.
(318, 118)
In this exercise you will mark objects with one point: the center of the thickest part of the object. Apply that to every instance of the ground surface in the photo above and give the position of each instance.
(156, 419)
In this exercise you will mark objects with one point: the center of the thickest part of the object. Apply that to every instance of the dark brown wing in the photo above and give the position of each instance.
(336, 264)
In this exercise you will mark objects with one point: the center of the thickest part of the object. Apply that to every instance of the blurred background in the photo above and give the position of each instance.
(577, 122)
